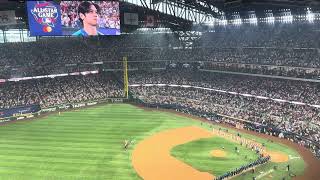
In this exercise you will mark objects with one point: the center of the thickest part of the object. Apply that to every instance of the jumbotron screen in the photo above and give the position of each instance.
(76, 18)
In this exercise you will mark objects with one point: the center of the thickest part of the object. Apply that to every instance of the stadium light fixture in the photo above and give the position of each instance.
(288, 19)
(224, 22)
(309, 15)
(252, 17)
(286, 16)
(270, 20)
(237, 21)
(253, 21)
(235, 18)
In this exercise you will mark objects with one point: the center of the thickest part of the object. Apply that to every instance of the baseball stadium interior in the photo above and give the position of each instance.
(246, 73)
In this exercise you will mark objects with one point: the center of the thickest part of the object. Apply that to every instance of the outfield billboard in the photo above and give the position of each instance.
(19, 111)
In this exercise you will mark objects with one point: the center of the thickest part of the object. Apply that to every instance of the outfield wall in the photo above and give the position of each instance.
(30, 111)
(80, 105)
(19, 111)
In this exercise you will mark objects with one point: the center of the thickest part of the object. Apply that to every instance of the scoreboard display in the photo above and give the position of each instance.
(73, 18)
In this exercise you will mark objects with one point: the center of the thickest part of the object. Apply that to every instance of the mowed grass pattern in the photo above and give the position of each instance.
(82, 144)
(87, 144)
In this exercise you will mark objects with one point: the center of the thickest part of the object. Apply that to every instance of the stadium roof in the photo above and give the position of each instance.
(199, 11)
(216, 7)
(227, 5)
(231, 5)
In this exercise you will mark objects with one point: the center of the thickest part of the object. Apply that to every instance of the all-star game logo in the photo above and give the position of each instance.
(46, 14)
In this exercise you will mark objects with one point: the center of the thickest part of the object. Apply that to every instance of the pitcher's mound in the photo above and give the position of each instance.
(218, 153)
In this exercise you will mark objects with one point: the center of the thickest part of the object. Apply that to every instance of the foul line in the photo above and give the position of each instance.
(264, 174)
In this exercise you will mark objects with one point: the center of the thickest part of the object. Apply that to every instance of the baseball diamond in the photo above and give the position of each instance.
(160, 90)
(85, 143)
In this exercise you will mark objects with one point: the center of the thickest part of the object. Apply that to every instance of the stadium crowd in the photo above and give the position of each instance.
(282, 47)
(301, 91)
(77, 52)
(302, 120)
(286, 71)
(60, 90)
(295, 35)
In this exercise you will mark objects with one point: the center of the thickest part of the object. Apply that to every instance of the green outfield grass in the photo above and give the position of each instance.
(86, 144)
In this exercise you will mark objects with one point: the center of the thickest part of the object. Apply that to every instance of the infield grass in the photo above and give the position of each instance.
(188, 153)
(198, 155)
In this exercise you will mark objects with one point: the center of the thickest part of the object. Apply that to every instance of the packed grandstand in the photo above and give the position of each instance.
(265, 77)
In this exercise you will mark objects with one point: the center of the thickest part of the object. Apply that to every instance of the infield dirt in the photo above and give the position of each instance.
(152, 160)
(218, 153)
(312, 163)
